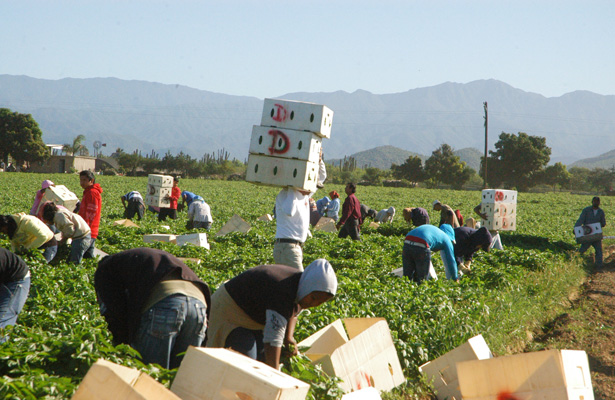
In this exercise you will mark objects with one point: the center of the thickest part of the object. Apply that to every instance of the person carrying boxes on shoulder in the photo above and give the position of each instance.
(171, 211)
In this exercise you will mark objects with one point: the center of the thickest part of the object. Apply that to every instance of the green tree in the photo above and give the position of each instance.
(411, 169)
(77, 148)
(601, 179)
(579, 178)
(444, 167)
(21, 137)
(373, 175)
(556, 174)
(517, 160)
(130, 162)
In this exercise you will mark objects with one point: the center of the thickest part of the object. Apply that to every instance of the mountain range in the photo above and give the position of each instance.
(157, 117)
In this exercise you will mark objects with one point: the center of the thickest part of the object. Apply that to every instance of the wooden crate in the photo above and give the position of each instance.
(220, 374)
(285, 143)
(301, 116)
(442, 371)
(108, 381)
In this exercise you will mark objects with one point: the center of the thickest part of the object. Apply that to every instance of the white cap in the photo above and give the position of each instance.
(435, 202)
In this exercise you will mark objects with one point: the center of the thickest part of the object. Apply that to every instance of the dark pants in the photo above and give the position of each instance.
(50, 249)
(134, 207)
(167, 212)
(415, 260)
(247, 342)
(350, 228)
(198, 225)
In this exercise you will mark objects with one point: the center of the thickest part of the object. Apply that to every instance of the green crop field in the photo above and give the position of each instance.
(60, 332)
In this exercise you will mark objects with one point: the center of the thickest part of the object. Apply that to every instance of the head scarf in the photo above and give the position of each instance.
(319, 276)
(47, 183)
(446, 228)
(334, 194)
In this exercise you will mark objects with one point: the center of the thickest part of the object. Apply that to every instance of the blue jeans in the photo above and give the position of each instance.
(89, 253)
(169, 327)
(50, 252)
(597, 248)
(78, 248)
(416, 261)
(247, 342)
(13, 296)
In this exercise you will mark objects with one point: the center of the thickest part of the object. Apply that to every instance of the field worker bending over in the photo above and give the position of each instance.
(152, 301)
(447, 214)
(15, 285)
(199, 214)
(467, 242)
(333, 208)
(496, 241)
(27, 232)
(592, 215)
(385, 215)
(135, 205)
(321, 205)
(70, 225)
(420, 243)
(416, 216)
(367, 211)
(39, 195)
(255, 313)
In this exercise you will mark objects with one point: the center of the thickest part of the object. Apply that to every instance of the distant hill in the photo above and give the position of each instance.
(383, 156)
(152, 116)
(606, 160)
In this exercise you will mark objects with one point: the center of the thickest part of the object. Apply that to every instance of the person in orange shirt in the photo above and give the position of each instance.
(171, 211)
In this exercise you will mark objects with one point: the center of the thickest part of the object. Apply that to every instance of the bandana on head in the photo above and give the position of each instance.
(319, 276)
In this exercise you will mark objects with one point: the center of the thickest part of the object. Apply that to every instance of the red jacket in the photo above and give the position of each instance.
(175, 195)
(91, 204)
(351, 209)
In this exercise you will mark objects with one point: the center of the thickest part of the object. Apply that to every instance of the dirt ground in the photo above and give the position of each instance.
(590, 325)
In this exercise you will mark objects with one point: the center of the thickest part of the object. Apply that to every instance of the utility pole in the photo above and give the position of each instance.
(486, 141)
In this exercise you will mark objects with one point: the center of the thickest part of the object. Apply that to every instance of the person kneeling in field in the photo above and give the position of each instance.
(27, 232)
(152, 301)
(72, 226)
(14, 288)
(418, 246)
(255, 313)
(468, 241)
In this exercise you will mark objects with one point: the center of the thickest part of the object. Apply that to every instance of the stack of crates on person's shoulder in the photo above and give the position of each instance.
(158, 190)
(285, 147)
(500, 206)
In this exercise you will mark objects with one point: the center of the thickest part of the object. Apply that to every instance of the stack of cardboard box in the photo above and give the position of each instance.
(60, 195)
(501, 209)
(158, 190)
(285, 148)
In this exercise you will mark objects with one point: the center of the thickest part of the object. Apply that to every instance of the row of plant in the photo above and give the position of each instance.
(60, 333)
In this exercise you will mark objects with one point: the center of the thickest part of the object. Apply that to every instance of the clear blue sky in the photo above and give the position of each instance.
(269, 48)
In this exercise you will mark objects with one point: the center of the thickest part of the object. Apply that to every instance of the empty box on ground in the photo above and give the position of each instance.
(217, 374)
(108, 381)
(265, 218)
(442, 371)
(163, 181)
(285, 143)
(59, 194)
(542, 375)
(297, 115)
(159, 237)
(235, 224)
(588, 233)
(326, 224)
(125, 222)
(275, 171)
(365, 357)
(196, 239)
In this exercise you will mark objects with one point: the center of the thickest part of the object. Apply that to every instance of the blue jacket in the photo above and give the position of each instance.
(189, 197)
(436, 239)
(321, 205)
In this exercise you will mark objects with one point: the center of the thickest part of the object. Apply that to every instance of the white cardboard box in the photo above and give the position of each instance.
(499, 209)
(588, 233)
(298, 115)
(443, 371)
(157, 201)
(369, 393)
(265, 218)
(499, 196)
(196, 239)
(500, 223)
(366, 357)
(159, 237)
(165, 181)
(221, 374)
(158, 191)
(285, 143)
(326, 224)
(236, 223)
(542, 375)
(125, 222)
(108, 381)
(60, 195)
(275, 171)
